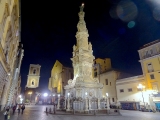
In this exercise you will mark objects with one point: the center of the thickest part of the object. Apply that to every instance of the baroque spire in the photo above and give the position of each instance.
(81, 24)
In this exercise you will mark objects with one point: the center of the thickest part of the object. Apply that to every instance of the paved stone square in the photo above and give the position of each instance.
(37, 113)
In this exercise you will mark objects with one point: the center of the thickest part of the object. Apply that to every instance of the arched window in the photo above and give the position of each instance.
(34, 71)
(32, 82)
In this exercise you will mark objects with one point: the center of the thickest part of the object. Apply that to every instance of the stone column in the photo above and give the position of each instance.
(68, 104)
(58, 104)
(89, 104)
(99, 107)
(108, 106)
(86, 107)
(64, 103)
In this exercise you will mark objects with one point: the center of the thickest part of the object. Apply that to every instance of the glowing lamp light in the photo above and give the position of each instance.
(20, 96)
(140, 86)
(82, 4)
(53, 94)
(58, 95)
(86, 93)
(29, 93)
(107, 94)
(45, 94)
(68, 94)
(9, 73)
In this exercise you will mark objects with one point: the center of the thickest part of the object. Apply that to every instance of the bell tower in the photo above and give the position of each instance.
(33, 76)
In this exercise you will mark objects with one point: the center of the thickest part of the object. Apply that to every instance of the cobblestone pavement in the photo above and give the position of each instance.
(37, 113)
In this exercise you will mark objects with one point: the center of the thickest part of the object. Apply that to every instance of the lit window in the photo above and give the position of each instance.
(129, 89)
(152, 76)
(121, 90)
(150, 67)
(32, 82)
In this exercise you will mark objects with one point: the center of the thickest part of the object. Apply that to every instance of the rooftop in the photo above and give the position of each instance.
(149, 44)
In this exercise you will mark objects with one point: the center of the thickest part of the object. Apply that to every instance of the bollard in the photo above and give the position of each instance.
(94, 112)
(73, 111)
(46, 109)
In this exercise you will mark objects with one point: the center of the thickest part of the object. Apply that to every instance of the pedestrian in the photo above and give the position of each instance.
(14, 108)
(6, 114)
(23, 107)
(19, 108)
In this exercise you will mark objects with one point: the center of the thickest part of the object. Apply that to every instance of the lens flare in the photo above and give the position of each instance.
(131, 24)
(127, 10)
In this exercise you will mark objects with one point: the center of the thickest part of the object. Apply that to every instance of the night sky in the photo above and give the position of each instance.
(117, 29)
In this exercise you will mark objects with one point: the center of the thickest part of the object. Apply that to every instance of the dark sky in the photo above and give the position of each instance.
(49, 28)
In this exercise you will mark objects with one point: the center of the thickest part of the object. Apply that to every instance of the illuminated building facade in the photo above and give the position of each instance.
(149, 95)
(59, 78)
(9, 42)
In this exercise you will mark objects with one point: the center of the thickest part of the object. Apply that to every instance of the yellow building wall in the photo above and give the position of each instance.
(104, 63)
(156, 67)
(56, 81)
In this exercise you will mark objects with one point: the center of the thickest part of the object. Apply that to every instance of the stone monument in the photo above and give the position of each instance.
(83, 92)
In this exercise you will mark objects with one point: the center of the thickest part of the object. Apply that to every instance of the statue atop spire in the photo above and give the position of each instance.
(81, 24)
(82, 7)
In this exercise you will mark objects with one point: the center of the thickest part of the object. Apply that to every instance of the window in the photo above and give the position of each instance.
(151, 51)
(110, 83)
(106, 81)
(152, 76)
(34, 71)
(150, 67)
(129, 89)
(95, 74)
(155, 87)
(112, 99)
(32, 82)
(121, 90)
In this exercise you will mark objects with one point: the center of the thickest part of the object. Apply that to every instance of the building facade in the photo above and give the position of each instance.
(148, 96)
(59, 78)
(9, 42)
(13, 94)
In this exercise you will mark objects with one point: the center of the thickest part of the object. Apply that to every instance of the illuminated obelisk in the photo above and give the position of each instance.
(83, 86)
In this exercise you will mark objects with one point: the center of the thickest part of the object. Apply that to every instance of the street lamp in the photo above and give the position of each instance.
(30, 93)
(140, 86)
(45, 94)
(108, 107)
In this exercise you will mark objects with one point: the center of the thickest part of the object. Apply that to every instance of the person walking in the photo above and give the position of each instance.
(23, 107)
(7, 114)
(14, 108)
(19, 108)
